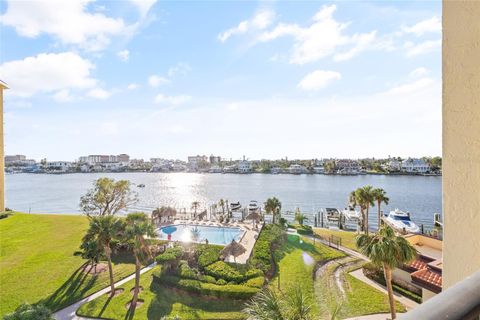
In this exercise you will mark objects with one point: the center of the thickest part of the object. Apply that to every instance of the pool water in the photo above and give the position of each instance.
(196, 233)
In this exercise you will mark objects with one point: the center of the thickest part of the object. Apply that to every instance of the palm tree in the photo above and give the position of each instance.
(195, 206)
(300, 217)
(138, 226)
(387, 250)
(380, 196)
(102, 230)
(273, 206)
(364, 198)
(221, 203)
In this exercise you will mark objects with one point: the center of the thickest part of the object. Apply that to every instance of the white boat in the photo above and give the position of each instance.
(141, 185)
(401, 222)
(253, 205)
(333, 214)
(235, 206)
(351, 214)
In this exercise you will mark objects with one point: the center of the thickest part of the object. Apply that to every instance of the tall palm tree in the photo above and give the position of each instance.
(387, 250)
(364, 198)
(102, 230)
(273, 206)
(380, 196)
(137, 226)
(195, 206)
(221, 203)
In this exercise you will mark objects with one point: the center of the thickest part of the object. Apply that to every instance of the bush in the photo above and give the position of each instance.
(4, 215)
(221, 270)
(256, 282)
(170, 258)
(208, 279)
(30, 312)
(234, 291)
(270, 236)
(208, 255)
(304, 230)
(186, 272)
(221, 282)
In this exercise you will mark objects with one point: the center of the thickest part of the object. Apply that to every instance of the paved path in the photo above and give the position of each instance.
(69, 313)
(378, 316)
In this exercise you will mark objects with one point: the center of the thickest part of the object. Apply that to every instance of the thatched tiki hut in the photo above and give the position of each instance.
(234, 249)
(254, 216)
(163, 214)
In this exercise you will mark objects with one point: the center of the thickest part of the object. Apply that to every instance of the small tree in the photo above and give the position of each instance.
(170, 258)
(30, 312)
(107, 197)
(92, 252)
(300, 217)
(387, 250)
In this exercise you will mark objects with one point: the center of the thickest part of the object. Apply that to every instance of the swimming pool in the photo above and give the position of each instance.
(197, 233)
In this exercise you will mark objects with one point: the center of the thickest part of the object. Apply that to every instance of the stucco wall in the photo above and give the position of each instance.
(461, 139)
(427, 294)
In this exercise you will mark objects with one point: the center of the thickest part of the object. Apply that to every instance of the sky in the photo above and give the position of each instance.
(264, 80)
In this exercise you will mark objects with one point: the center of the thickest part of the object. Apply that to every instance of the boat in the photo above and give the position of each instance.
(141, 185)
(253, 206)
(351, 214)
(333, 214)
(235, 206)
(400, 221)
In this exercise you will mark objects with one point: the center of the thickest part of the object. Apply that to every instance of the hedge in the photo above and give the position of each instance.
(234, 291)
(270, 235)
(256, 282)
(208, 255)
(222, 270)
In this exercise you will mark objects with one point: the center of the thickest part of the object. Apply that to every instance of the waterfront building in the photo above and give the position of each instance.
(215, 159)
(394, 165)
(244, 166)
(275, 170)
(61, 166)
(215, 169)
(15, 159)
(297, 169)
(195, 162)
(101, 158)
(415, 166)
(319, 170)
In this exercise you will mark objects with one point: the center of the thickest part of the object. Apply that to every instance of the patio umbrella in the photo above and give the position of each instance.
(234, 249)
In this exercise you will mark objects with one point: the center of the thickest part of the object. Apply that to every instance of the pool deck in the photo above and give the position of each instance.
(248, 239)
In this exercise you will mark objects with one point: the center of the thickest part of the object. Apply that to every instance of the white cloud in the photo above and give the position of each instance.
(432, 25)
(47, 72)
(418, 72)
(422, 48)
(181, 68)
(63, 96)
(143, 6)
(132, 86)
(410, 87)
(67, 21)
(261, 20)
(172, 100)
(156, 81)
(321, 38)
(318, 79)
(99, 93)
(124, 55)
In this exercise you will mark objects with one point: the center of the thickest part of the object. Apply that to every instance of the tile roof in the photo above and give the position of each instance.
(428, 277)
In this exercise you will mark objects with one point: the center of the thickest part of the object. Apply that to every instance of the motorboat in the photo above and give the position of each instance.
(351, 214)
(253, 206)
(333, 214)
(141, 185)
(235, 206)
(400, 221)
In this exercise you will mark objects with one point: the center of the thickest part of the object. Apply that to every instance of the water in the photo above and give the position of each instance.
(44, 193)
(215, 235)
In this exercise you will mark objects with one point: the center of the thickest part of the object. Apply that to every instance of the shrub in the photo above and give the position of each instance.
(208, 279)
(256, 282)
(4, 215)
(170, 258)
(221, 270)
(270, 235)
(30, 312)
(234, 291)
(304, 230)
(186, 272)
(208, 255)
(221, 282)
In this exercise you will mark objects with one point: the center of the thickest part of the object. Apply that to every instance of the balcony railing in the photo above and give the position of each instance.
(460, 302)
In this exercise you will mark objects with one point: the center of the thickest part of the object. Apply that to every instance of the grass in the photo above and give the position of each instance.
(161, 301)
(360, 298)
(37, 262)
(348, 237)
(296, 261)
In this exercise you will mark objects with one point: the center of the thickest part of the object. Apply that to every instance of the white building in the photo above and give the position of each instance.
(62, 166)
(244, 166)
(297, 169)
(319, 170)
(394, 165)
(415, 166)
(194, 162)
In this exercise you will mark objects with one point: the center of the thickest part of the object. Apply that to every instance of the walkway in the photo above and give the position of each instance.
(69, 313)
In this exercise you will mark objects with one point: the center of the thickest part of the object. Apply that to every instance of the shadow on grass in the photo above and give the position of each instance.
(71, 290)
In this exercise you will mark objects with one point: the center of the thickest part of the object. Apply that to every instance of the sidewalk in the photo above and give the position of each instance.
(69, 313)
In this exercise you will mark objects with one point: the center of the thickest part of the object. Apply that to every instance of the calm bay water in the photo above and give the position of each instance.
(49, 193)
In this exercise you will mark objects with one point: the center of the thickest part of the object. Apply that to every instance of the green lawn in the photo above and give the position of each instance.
(296, 260)
(161, 301)
(348, 237)
(360, 298)
(37, 261)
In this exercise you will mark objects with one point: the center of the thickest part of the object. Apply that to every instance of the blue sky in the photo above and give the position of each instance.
(261, 79)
